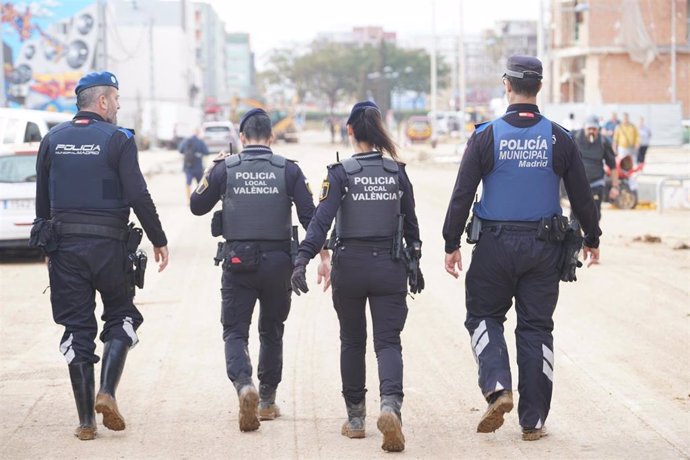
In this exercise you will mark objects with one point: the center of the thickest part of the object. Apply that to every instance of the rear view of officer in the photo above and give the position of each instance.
(520, 159)
(257, 189)
(371, 199)
(88, 177)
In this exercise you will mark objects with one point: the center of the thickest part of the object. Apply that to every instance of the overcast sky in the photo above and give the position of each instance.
(281, 23)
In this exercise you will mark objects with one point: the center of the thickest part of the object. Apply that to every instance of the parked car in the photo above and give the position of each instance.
(418, 128)
(22, 125)
(218, 135)
(17, 193)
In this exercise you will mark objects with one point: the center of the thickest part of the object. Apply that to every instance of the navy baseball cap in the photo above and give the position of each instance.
(96, 79)
(250, 114)
(523, 67)
(358, 108)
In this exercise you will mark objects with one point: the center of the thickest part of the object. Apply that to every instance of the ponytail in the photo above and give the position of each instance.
(369, 128)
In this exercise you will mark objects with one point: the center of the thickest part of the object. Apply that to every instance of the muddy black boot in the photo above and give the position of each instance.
(114, 356)
(268, 409)
(500, 403)
(356, 413)
(249, 404)
(390, 423)
(81, 375)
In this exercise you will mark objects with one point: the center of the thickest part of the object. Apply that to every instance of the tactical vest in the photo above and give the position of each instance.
(522, 186)
(256, 205)
(592, 156)
(80, 176)
(371, 205)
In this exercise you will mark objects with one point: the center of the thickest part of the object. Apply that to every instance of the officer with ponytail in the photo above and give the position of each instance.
(371, 199)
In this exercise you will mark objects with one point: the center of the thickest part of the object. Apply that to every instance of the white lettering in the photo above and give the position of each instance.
(255, 190)
(374, 180)
(246, 175)
(386, 196)
(533, 164)
(71, 149)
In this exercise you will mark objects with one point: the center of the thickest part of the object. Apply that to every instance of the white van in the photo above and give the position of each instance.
(18, 126)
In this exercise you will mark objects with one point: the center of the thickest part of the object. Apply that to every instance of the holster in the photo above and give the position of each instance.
(137, 257)
(572, 244)
(473, 230)
(552, 228)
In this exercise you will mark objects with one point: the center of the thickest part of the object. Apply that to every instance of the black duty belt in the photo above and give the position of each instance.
(509, 223)
(383, 244)
(120, 234)
(267, 245)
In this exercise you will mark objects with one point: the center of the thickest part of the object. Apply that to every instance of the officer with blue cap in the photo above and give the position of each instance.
(520, 158)
(257, 188)
(371, 199)
(88, 178)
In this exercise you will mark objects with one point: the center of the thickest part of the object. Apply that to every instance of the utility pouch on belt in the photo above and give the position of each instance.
(134, 236)
(43, 235)
(242, 256)
(217, 224)
(552, 228)
(572, 244)
(220, 254)
(473, 230)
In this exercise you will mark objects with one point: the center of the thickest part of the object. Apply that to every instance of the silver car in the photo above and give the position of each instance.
(218, 135)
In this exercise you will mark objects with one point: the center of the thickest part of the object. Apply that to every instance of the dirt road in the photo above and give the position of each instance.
(622, 376)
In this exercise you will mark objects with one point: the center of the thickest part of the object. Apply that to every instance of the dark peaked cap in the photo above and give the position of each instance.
(523, 67)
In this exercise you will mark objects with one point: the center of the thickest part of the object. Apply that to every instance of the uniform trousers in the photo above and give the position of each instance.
(79, 267)
(360, 274)
(270, 285)
(509, 262)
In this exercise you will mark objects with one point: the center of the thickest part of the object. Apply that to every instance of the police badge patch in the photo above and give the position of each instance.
(325, 187)
(202, 186)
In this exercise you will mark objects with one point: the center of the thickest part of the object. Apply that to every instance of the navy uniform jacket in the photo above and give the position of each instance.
(332, 193)
(122, 157)
(478, 161)
(210, 192)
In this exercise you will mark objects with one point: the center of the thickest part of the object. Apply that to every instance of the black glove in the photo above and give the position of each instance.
(299, 275)
(417, 283)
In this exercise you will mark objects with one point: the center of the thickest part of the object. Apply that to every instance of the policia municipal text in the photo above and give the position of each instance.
(372, 201)
(257, 189)
(519, 253)
(88, 177)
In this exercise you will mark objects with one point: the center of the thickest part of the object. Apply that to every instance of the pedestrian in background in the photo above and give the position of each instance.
(610, 128)
(88, 177)
(520, 159)
(645, 137)
(257, 189)
(193, 150)
(626, 138)
(366, 194)
(596, 151)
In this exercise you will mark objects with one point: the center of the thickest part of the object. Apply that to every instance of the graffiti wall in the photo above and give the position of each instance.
(47, 46)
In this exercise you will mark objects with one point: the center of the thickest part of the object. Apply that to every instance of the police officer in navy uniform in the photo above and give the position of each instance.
(365, 194)
(257, 189)
(88, 177)
(520, 159)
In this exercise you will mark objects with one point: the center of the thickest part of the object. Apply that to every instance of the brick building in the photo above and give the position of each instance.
(618, 52)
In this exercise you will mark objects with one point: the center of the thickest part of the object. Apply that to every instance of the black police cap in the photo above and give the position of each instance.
(523, 67)
(249, 114)
(96, 79)
(358, 108)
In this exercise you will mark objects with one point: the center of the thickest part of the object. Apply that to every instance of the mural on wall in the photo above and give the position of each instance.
(47, 46)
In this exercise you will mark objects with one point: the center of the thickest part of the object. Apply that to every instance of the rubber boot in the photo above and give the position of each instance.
(356, 413)
(81, 375)
(500, 403)
(268, 409)
(249, 403)
(390, 423)
(114, 356)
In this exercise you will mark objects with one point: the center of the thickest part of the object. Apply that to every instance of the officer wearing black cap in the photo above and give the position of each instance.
(88, 177)
(371, 199)
(597, 151)
(257, 189)
(520, 159)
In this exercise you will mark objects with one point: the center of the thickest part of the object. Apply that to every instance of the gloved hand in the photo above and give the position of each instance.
(417, 284)
(299, 275)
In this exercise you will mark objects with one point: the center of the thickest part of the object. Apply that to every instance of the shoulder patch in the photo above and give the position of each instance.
(325, 188)
(126, 132)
